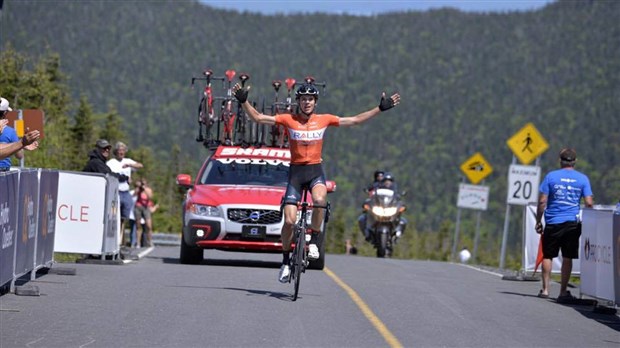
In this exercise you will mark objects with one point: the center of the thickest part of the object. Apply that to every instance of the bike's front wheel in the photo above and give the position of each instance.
(298, 260)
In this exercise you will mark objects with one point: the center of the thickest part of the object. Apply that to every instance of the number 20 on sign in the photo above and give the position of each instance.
(523, 184)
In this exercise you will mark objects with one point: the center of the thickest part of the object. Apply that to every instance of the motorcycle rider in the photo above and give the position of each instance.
(378, 178)
(388, 182)
(361, 220)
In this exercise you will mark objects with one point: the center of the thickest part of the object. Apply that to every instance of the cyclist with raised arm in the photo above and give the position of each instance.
(306, 130)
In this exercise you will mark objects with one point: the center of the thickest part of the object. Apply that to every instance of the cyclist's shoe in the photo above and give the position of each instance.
(313, 252)
(285, 273)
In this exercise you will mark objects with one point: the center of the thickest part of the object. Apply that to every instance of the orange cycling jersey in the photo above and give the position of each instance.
(306, 137)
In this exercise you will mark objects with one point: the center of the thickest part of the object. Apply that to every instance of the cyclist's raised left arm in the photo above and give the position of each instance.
(257, 116)
(242, 96)
(385, 104)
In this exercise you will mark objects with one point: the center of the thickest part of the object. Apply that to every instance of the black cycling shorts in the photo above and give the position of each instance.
(300, 176)
(564, 236)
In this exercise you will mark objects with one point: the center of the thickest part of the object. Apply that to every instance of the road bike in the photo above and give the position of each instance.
(206, 115)
(227, 114)
(279, 136)
(242, 133)
(299, 259)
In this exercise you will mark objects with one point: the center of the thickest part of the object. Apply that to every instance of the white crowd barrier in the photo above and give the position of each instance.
(600, 254)
(88, 214)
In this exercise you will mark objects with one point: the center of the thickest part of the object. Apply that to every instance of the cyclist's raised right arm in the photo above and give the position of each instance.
(242, 96)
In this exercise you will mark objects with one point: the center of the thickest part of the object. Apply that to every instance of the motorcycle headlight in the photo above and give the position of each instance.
(384, 212)
(204, 210)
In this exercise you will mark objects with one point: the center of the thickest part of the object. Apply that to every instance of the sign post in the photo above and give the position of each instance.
(523, 181)
(476, 197)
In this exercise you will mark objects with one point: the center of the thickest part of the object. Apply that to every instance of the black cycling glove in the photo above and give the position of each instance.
(386, 103)
(242, 95)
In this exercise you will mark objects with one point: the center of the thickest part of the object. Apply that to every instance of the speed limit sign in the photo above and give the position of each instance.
(523, 184)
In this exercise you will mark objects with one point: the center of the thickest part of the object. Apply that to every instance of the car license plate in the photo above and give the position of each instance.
(254, 232)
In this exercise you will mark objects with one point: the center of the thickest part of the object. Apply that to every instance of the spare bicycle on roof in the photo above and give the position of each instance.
(222, 121)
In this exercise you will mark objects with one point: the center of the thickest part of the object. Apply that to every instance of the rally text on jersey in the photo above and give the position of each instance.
(307, 135)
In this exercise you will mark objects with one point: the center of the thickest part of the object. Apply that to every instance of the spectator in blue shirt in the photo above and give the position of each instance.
(560, 196)
(8, 136)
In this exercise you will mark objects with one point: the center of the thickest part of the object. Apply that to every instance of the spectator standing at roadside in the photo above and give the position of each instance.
(559, 199)
(152, 209)
(142, 209)
(123, 165)
(97, 159)
(9, 135)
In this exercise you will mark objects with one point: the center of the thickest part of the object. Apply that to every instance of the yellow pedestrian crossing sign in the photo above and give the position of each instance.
(527, 144)
(476, 168)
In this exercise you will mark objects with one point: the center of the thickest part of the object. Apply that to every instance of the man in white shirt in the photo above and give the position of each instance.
(121, 164)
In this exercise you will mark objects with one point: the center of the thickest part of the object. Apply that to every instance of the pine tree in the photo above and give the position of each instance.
(83, 134)
(112, 129)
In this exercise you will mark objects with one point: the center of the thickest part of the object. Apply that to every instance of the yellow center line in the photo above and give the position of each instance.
(391, 340)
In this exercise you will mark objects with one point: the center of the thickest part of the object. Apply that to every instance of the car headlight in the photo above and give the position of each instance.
(204, 210)
(384, 212)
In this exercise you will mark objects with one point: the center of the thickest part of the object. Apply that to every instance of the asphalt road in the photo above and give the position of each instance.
(235, 300)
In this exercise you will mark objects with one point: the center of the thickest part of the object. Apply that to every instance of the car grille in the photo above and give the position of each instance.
(265, 217)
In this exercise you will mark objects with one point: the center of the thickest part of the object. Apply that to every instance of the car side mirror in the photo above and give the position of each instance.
(331, 186)
(185, 180)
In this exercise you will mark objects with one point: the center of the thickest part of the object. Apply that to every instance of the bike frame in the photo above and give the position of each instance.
(206, 115)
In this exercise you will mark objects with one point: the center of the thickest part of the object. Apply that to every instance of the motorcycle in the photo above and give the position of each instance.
(383, 219)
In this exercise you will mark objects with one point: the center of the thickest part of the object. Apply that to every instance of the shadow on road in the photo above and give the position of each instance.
(284, 296)
(225, 262)
(587, 307)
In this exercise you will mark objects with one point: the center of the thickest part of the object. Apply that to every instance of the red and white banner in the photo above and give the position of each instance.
(80, 213)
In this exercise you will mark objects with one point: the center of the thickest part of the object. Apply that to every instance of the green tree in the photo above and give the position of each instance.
(42, 88)
(112, 129)
(83, 134)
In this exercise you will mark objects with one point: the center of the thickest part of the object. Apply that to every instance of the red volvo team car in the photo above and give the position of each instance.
(234, 203)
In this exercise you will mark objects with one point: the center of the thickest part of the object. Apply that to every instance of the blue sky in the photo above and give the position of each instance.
(365, 7)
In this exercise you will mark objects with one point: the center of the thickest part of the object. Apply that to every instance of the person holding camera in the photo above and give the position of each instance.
(142, 210)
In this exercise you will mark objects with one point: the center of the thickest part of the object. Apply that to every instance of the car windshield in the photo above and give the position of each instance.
(245, 172)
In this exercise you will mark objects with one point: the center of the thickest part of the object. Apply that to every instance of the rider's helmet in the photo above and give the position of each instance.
(307, 89)
(388, 176)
